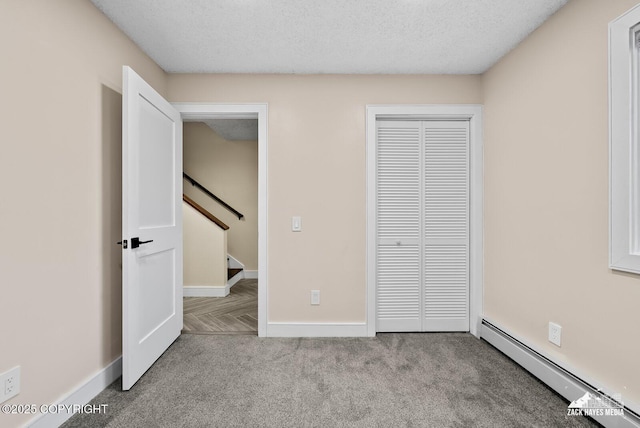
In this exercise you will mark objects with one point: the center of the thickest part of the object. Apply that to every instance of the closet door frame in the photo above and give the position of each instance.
(440, 112)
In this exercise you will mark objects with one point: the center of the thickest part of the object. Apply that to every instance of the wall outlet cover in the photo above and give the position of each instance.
(9, 384)
(555, 333)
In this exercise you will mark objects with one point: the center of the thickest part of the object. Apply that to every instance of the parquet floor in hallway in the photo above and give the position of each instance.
(235, 314)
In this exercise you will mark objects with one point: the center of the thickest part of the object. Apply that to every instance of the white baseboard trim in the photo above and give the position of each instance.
(237, 277)
(206, 290)
(80, 396)
(301, 329)
(251, 274)
(212, 290)
(233, 263)
(553, 375)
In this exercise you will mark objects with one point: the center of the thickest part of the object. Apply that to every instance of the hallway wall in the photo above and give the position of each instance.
(204, 250)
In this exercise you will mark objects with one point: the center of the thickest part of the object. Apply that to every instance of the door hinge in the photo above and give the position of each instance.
(123, 243)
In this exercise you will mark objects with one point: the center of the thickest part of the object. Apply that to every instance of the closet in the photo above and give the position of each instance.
(422, 226)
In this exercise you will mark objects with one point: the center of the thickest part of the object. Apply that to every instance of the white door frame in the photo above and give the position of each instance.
(202, 111)
(472, 113)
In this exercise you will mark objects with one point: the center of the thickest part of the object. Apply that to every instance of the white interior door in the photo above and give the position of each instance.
(151, 225)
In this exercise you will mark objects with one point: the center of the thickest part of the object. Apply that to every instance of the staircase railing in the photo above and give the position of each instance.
(204, 212)
(212, 196)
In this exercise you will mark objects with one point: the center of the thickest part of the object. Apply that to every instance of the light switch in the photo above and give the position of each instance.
(296, 224)
(315, 297)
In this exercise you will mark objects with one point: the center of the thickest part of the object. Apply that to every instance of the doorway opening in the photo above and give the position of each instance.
(220, 226)
(224, 169)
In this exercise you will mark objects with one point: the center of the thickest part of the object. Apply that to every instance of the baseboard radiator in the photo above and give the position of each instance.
(554, 376)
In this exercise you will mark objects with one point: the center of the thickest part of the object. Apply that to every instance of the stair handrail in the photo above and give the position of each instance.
(204, 212)
(212, 196)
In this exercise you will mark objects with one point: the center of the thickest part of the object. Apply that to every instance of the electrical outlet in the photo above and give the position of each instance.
(555, 333)
(315, 297)
(10, 384)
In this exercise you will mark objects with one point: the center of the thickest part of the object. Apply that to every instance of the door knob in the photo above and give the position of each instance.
(136, 242)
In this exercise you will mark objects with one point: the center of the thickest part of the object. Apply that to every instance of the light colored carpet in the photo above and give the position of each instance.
(393, 380)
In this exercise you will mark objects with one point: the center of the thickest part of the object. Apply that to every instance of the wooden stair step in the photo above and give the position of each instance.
(232, 272)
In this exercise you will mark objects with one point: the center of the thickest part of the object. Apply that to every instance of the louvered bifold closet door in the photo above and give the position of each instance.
(398, 263)
(446, 226)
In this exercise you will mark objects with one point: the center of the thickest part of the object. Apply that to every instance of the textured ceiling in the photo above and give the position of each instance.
(234, 129)
(328, 36)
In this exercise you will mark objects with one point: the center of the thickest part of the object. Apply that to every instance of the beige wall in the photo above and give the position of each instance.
(317, 170)
(205, 249)
(60, 276)
(546, 199)
(229, 169)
